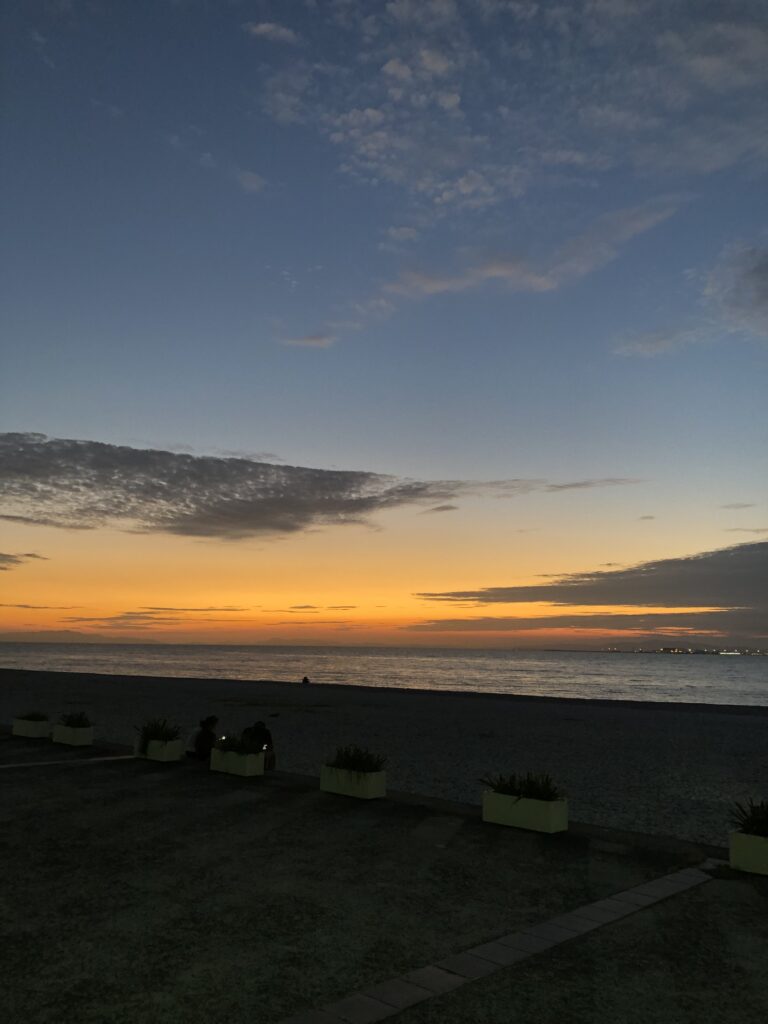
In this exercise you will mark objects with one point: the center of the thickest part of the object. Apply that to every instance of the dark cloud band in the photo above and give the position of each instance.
(87, 484)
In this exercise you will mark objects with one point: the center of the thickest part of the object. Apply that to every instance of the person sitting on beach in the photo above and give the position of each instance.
(261, 737)
(305, 681)
(201, 740)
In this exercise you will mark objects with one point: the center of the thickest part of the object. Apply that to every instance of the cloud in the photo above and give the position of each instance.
(716, 593)
(208, 608)
(440, 508)
(738, 504)
(423, 12)
(311, 341)
(270, 30)
(395, 68)
(738, 288)
(735, 294)
(731, 577)
(598, 245)
(654, 343)
(8, 561)
(664, 623)
(747, 529)
(551, 94)
(641, 518)
(403, 234)
(311, 622)
(249, 181)
(434, 62)
(73, 484)
(146, 618)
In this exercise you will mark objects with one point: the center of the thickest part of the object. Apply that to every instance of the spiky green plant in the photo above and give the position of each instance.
(356, 759)
(33, 716)
(76, 720)
(156, 729)
(752, 818)
(530, 786)
(237, 743)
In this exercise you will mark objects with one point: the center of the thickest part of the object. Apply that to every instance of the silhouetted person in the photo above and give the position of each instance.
(200, 742)
(305, 681)
(261, 737)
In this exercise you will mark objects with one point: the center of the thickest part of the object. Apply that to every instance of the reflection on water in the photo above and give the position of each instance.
(656, 677)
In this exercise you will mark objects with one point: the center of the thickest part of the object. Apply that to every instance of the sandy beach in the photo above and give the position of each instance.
(667, 769)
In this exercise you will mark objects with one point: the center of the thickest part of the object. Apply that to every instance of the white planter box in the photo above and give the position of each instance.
(364, 785)
(749, 853)
(73, 736)
(32, 730)
(522, 812)
(157, 750)
(233, 763)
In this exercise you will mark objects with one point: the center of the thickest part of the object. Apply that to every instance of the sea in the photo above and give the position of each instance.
(683, 678)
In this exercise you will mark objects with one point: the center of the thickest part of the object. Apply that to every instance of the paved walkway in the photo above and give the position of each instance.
(390, 997)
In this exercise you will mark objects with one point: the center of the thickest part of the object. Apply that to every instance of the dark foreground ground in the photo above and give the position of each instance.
(136, 892)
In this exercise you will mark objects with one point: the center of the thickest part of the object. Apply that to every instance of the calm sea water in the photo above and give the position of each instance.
(657, 677)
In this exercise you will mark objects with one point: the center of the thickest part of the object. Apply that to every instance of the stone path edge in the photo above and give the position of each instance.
(387, 998)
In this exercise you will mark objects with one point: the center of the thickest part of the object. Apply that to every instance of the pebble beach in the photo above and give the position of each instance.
(666, 769)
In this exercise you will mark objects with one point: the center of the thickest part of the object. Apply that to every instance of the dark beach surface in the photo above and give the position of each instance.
(662, 768)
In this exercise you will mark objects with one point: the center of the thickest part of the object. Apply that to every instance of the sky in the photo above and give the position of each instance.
(435, 323)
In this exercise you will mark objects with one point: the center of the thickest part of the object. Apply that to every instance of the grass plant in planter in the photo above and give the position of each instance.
(237, 755)
(75, 729)
(527, 801)
(159, 741)
(34, 725)
(749, 843)
(354, 771)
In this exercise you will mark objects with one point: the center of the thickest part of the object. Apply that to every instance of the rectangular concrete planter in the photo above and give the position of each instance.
(749, 853)
(523, 812)
(363, 785)
(157, 750)
(31, 730)
(233, 763)
(73, 736)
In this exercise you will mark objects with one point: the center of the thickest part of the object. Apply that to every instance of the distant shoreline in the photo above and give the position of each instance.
(374, 647)
(357, 690)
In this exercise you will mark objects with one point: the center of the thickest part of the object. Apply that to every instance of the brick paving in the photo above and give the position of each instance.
(390, 997)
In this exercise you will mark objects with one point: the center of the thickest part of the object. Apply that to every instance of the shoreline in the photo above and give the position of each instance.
(42, 675)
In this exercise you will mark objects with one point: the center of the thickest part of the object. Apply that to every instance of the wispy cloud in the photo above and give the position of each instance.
(272, 31)
(9, 561)
(598, 245)
(84, 485)
(654, 343)
(738, 288)
(734, 294)
(249, 181)
(207, 608)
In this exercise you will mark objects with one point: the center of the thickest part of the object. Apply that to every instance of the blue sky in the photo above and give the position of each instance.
(481, 240)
